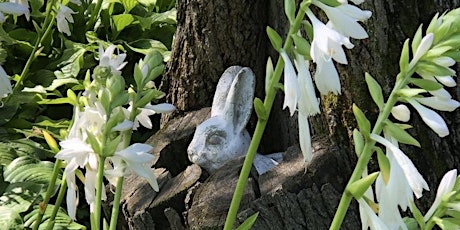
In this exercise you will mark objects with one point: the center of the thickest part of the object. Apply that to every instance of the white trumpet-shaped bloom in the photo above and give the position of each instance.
(327, 42)
(308, 103)
(414, 179)
(439, 103)
(63, 18)
(344, 19)
(445, 186)
(23, 3)
(291, 88)
(108, 59)
(143, 117)
(326, 77)
(12, 8)
(135, 158)
(305, 137)
(431, 118)
(5, 84)
(386, 192)
(369, 218)
(77, 154)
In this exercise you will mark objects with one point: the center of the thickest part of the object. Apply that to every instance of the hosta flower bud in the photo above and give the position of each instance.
(401, 113)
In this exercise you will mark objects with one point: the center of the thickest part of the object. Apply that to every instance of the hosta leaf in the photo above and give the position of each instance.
(121, 21)
(10, 219)
(62, 220)
(20, 196)
(145, 46)
(128, 4)
(14, 149)
(27, 169)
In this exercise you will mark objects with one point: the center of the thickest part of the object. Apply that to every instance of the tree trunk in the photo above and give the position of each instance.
(213, 35)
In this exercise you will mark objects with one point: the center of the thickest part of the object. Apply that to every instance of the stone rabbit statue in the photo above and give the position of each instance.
(223, 136)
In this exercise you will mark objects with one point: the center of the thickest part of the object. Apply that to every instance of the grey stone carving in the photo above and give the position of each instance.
(223, 136)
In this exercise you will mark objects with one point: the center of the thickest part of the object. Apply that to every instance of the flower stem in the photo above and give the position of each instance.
(57, 205)
(49, 191)
(259, 130)
(48, 22)
(94, 15)
(116, 204)
(367, 151)
(99, 184)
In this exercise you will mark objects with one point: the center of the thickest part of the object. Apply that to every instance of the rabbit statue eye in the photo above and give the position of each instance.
(216, 138)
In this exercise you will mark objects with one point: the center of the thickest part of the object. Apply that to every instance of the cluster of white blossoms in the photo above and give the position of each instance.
(432, 57)
(326, 46)
(100, 129)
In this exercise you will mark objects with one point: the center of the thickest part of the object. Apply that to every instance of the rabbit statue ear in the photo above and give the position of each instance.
(238, 105)
(222, 89)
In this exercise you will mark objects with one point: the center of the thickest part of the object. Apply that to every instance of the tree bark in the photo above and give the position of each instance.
(213, 35)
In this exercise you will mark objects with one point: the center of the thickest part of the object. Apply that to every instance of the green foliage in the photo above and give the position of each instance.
(49, 70)
(275, 38)
(62, 220)
(247, 224)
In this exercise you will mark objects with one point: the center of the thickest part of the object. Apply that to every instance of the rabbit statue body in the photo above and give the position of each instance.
(223, 136)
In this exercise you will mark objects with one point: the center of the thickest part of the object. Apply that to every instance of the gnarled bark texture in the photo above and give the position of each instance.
(213, 35)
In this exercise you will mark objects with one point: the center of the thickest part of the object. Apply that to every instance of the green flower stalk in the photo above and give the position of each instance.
(325, 46)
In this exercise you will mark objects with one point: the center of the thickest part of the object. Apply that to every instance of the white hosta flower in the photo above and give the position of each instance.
(308, 103)
(401, 113)
(63, 18)
(123, 126)
(90, 188)
(291, 88)
(327, 43)
(23, 3)
(357, 2)
(144, 113)
(386, 193)
(76, 2)
(439, 103)
(75, 153)
(344, 19)
(305, 137)
(424, 46)
(91, 119)
(12, 8)
(431, 118)
(326, 77)
(108, 59)
(136, 158)
(414, 179)
(446, 80)
(445, 186)
(5, 84)
(369, 218)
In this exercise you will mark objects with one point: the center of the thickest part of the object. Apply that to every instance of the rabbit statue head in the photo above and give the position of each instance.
(223, 136)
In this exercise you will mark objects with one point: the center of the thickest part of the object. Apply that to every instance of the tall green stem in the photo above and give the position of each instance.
(116, 205)
(367, 151)
(49, 191)
(260, 127)
(99, 184)
(119, 188)
(94, 15)
(47, 25)
(57, 205)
